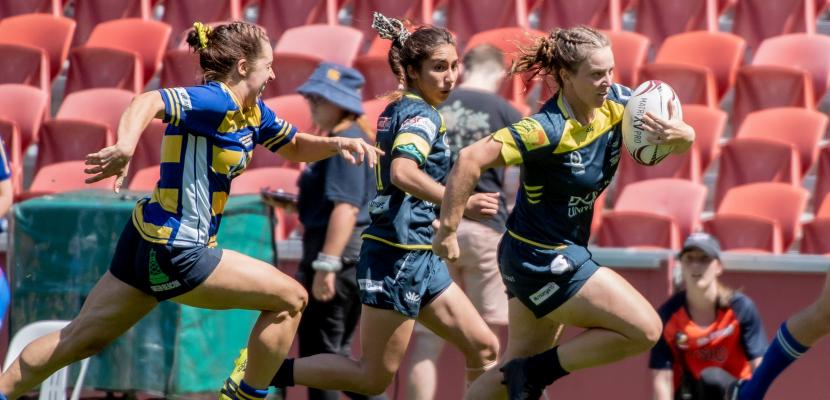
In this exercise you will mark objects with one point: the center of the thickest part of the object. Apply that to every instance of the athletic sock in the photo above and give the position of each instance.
(544, 368)
(246, 392)
(782, 352)
(285, 375)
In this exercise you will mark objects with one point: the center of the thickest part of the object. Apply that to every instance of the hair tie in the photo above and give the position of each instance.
(389, 28)
(202, 30)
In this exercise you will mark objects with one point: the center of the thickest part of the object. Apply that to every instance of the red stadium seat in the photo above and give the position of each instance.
(145, 179)
(372, 110)
(379, 77)
(757, 20)
(276, 16)
(694, 84)
(11, 138)
(417, 11)
(262, 158)
(823, 210)
(815, 234)
(144, 37)
(750, 160)
(605, 14)
(148, 149)
(684, 166)
(98, 67)
(599, 210)
(253, 180)
(509, 41)
(333, 43)
(679, 199)
(379, 47)
(488, 15)
(51, 33)
(759, 216)
(10, 8)
(89, 13)
(758, 87)
(104, 106)
(808, 52)
(25, 64)
(64, 177)
(294, 109)
(799, 127)
(720, 52)
(822, 187)
(180, 68)
(659, 19)
(292, 71)
(180, 14)
(638, 229)
(25, 106)
(709, 124)
(70, 140)
(630, 53)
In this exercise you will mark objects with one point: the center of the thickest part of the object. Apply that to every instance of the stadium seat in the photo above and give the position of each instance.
(605, 14)
(758, 87)
(416, 11)
(51, 33)
(62, 177)
(808, 52)
(379, 77)
(800, 127)
(759, 217)
(599, 210)
(25, 64)
(684, 166)
(294, 109)
(815, 234)
(104, 106)
(89, 13)
(9, 8)
(372, 110)
(70, 140)
(709, 124)
(750, 160)
(333, 43)
(145, 37)
(148, 149)
(99, 67)
(379, 47)
(822, 187)
(682, 200)
(25, 106)
(823, 211)
(659, 19)
(262, 158)
(630, 53)
(180, 14)
(277, 16)
(757, 20)
(694, 84)
(292, 70)
(180, 68)
(11, 138)
(488, 15)
(253, 181)
(509, 41)
(145, 179)
(638, 229)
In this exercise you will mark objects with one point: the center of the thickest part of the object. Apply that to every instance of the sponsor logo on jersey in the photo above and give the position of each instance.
(412, 297)
(379, 204)
(368, 285)
(184, 98)
(384, 123)
(422, 124)
(544, 293)
(578, 205)
(577, 168)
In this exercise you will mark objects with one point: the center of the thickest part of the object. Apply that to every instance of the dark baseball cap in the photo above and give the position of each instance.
(703, 242)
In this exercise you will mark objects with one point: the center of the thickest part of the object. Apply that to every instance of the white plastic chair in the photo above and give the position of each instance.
(54, 388)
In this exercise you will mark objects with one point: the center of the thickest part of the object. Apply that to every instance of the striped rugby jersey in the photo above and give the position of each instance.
(209, 140)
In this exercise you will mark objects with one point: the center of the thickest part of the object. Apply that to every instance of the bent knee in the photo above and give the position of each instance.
(488, 349)
(650, 330)
(292, 299)
(375, 386)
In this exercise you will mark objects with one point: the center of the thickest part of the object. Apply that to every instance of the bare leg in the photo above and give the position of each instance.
(240, 281)
(384, 336)
(812, 323)
(423, 375)
(111, 308)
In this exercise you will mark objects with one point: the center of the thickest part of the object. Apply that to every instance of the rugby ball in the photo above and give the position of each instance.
(653, 97)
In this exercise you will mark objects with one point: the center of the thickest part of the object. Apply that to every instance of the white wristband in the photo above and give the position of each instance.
(328, 263)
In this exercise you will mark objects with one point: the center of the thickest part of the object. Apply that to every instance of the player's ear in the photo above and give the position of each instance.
(242, 67)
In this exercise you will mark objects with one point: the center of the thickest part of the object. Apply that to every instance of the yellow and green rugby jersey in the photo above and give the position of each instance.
(413, 129)
(565, 167)
(209, 140)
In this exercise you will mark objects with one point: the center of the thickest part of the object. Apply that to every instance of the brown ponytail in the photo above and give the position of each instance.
(221, 47)
(561, 49)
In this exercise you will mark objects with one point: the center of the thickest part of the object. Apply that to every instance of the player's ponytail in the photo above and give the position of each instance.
(221, 47)
(561, 49)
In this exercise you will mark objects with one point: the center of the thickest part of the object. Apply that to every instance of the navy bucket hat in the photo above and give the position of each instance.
(337, 84)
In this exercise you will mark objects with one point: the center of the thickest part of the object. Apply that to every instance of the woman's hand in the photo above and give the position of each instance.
(323, 287)
(107, 162)
(356, 150)
(445, 243)
(671, 131)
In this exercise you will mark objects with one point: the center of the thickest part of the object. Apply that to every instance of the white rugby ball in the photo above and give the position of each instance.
(653, 97)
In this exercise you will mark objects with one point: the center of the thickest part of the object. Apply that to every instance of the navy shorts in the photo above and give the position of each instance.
(398, 279)
(543, 279)
(159, 270)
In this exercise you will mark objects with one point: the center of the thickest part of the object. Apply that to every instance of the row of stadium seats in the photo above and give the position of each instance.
(754, 20)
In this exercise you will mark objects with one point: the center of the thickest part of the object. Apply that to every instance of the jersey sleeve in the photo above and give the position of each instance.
(416, 134)
(274, 132)
(619, 94)
(661, 356)
(753, 337)
(197, 108)
(523, 141)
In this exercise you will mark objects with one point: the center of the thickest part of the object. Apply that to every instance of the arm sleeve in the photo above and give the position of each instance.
(274, 132)
(661, 356)
(197, 108)
(415, 136)
(753, 336)
(524, 141)
(345, 182)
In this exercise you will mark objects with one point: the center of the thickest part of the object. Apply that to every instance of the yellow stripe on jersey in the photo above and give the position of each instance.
(398, 245)
(171, 148)
(218, 202)
(576, 136)
(509, 151)
(167, 198)
(150, 232)
(286, 127)
(420, 143)
(225, 159)
(535, 243)
(236, 120)
(176, 113)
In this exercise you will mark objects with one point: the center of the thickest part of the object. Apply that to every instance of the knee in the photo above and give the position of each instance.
(650, 331)
(486, 349)
(375, 386)
(294, 300)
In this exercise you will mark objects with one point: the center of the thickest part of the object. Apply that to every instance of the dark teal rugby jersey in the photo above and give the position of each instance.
(565, 167)
(413, 129)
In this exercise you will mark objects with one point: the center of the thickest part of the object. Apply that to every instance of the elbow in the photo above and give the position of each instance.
(398, 178)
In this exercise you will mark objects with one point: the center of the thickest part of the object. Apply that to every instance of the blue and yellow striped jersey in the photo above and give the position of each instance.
(413, 129)
(5, 167)
(209, 140)
(565, 167)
